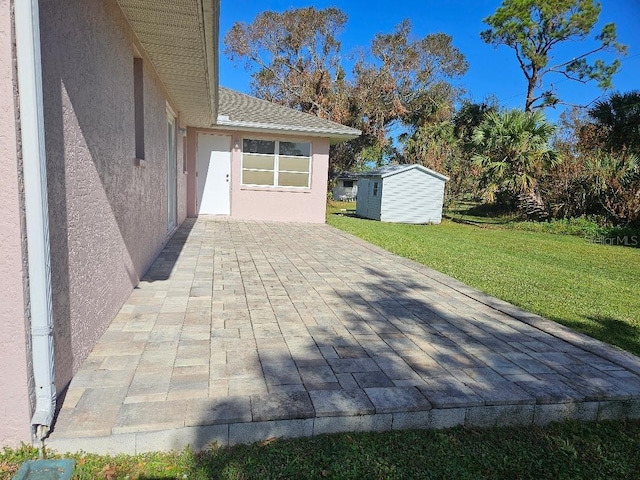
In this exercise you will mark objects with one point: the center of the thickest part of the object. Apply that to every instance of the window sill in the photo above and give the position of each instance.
(140, 162)
(256, 188)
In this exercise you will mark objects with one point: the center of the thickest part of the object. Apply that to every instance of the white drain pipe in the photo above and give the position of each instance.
(27, 28)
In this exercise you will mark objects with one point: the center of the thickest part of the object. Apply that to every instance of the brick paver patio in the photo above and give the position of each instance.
(243, 331)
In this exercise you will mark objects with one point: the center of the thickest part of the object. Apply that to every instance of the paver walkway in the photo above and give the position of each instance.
(243, 331)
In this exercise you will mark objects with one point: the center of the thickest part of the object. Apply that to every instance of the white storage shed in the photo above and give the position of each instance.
(401, 194)
(346, 187)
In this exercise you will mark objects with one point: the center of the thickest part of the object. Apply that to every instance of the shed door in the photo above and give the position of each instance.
(374, 206)
(362, 199)
(214, 174)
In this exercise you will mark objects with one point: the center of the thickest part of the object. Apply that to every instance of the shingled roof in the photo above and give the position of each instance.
(244, 112)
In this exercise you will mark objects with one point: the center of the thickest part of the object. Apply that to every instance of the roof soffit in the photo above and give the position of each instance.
(180, 37)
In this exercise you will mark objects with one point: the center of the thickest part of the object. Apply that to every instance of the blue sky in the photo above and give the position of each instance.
(491, 71)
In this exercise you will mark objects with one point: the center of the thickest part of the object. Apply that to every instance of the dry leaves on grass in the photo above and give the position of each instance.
(109, 472)
(8, 469)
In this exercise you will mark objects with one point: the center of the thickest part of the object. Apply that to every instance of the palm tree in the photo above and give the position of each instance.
(513, 151)
(620, 115)
(615, 185)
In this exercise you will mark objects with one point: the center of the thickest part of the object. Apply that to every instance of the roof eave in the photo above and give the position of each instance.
(401, 170)
(211, 16)
(160, 34)
(334, 139)
(426, 170)
(335, 136)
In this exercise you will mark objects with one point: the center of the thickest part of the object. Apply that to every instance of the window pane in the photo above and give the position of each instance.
(257, 178)
(138, 106)
(296, 164)
(293, 179)
(258, 146)
(295, 148)
(257, 161)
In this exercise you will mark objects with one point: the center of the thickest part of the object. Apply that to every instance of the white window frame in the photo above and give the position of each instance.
(276, 164)
(172, 170)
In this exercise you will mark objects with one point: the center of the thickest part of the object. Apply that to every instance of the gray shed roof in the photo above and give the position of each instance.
(244, 112)
(389, 170)
(347, 176)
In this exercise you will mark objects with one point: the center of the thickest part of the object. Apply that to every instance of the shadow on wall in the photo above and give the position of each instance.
(107, 217)
(58, 230)
(97, 108)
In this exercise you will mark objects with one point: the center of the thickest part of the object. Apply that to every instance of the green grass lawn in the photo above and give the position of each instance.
(590, 287)
(476, 214)
(607, 450)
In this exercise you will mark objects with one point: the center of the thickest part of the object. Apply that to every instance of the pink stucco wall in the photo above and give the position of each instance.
(270, 204)
(107, 215)
(181, 140)
(192, 135)
(14, 359)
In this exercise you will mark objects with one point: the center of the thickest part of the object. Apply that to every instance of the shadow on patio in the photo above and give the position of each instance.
(284, 330)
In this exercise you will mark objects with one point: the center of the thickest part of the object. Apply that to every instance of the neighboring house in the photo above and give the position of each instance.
(346, 187)
(401, 194)
(114, 130)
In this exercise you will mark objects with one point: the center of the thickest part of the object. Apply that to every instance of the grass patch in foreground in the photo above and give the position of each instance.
(590, 287)
(561, 451)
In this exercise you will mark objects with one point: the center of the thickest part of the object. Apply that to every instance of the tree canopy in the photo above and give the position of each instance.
(295, 59)
(533, 28)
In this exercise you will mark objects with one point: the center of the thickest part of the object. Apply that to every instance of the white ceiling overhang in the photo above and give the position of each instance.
(180, 38)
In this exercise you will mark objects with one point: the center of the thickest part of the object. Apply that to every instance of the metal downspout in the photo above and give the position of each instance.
(27, 31)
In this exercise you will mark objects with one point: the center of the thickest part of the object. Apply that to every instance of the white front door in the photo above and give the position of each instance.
(214, 174)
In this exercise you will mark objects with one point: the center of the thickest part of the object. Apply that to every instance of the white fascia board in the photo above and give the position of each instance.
(418, 167)
(401, 170)
(279, 129)
(211, 25)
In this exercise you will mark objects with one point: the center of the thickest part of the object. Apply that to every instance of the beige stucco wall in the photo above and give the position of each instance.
(265, 203)
(107, 215)
(14, 360)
